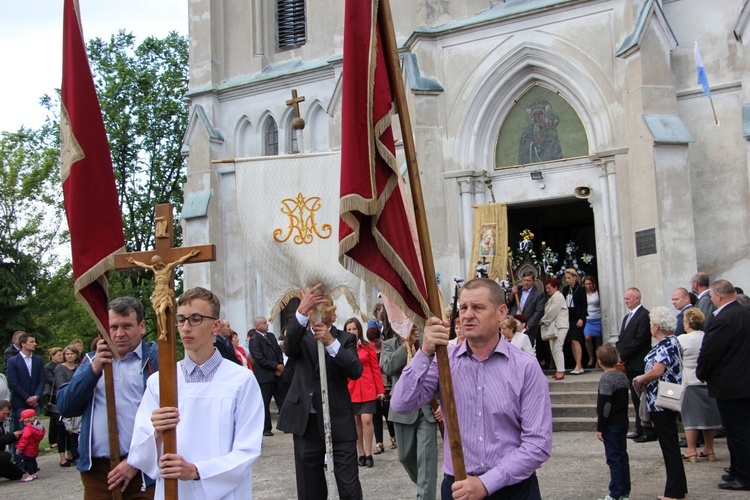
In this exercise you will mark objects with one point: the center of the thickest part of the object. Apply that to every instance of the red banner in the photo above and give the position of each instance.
(88, 180)
(375, 241)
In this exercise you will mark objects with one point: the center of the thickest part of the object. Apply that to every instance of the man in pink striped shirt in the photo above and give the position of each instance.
(502, 400)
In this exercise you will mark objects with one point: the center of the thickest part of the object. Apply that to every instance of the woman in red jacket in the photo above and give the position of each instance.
(364, 391)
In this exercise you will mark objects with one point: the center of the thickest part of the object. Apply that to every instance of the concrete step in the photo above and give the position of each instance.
(580, 410)
(573, 397)
(578, 424)
(577, 385)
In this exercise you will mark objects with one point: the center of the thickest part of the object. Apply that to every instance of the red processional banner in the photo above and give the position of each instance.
(88, 180)
(375, 240)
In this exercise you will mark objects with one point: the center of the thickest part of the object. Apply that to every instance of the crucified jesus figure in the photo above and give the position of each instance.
(163, 297)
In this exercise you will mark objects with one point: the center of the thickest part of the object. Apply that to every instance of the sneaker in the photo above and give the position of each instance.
(28, 478)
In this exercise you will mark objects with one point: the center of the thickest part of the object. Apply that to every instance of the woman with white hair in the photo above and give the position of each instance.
(664, 362)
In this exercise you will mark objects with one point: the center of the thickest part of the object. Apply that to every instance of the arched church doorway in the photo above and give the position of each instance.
(563, 236)
(555, 225)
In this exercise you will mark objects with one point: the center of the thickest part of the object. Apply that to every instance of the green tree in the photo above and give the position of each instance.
(30, 215)
(140, 90)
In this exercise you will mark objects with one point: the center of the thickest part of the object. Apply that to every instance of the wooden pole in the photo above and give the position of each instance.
(167, 336)
(513, 284)
(716, 120)
(390, 51)
(323, 372)
(114, 434)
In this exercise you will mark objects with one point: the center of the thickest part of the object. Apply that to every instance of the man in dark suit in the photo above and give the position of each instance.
(302, 414)
(532, 306)
(25, 378)
(633, 344)
(723, 365)
(223, 344)
(268, 366)
(681, 302)
(13, 349)
(8, 469)
(699, 284)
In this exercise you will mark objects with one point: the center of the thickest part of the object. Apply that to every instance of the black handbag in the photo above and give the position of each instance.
(50, 409)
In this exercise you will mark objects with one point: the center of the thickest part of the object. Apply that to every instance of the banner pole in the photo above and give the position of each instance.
(390, 51)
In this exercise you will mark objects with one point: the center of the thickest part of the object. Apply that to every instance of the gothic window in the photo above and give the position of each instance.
(270, 138)
(290, 23)
(291, 140)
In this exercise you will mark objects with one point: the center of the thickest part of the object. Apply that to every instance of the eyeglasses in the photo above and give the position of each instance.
(194, 319)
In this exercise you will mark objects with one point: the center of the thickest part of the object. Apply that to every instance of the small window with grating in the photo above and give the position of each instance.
(290, 17)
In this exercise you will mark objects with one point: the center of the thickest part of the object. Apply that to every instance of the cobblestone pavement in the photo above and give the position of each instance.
(576, 470)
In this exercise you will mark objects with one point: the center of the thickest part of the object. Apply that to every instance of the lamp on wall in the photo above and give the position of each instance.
(537, 175)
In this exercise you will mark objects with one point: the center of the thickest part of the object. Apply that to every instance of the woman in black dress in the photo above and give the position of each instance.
(575, 298)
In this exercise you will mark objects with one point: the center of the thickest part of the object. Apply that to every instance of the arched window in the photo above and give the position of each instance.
(270, 138)
(291, 140)
(318, 129)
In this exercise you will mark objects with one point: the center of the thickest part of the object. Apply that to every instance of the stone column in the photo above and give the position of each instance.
(479, 187)
(609, 314)
(616, 238)
(466, 186)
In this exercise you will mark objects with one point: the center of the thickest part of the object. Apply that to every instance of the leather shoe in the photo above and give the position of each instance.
(268, 433)
(727, 470)
(634, 435)
(644, 439)
(734, 486)
(727, 478)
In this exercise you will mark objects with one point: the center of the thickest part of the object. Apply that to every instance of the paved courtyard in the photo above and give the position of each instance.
(575, 471)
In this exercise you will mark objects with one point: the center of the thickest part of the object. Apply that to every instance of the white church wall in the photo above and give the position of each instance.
(484, 68)
(245, 138)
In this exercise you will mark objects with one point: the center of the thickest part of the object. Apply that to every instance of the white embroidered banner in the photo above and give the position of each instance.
(289, 211)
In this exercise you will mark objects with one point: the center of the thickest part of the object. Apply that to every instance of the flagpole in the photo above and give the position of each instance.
(113, 434)
(711, 100)
(390, 51)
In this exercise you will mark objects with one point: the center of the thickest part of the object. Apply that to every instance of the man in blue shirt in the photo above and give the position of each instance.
(85, 396)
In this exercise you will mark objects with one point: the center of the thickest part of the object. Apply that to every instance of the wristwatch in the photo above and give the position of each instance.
(197, 473)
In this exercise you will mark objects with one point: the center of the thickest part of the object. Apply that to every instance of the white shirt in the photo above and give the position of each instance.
(718, 309)
(521, 340)
(27, 360)
(691, 347)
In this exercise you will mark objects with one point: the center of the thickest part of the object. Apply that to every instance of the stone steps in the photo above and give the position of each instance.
(574, 402)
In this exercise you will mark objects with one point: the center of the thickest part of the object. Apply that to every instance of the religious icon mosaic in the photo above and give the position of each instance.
(540, 127)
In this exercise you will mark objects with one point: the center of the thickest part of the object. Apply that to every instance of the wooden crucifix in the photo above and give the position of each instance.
(161, 261)
(297, 122)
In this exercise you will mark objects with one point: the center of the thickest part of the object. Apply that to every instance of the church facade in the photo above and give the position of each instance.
(583, 116)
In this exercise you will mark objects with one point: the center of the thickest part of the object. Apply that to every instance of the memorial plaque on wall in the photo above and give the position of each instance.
(645, 242)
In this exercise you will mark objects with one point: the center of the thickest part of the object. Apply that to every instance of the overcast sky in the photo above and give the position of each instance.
(31, 45)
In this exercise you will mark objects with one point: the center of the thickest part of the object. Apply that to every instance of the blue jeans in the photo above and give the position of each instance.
(29, 463)
(616, 451)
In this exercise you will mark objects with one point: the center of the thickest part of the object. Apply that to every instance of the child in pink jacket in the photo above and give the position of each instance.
(27, 447)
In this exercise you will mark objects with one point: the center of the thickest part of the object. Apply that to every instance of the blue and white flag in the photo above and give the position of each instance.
(702, 78)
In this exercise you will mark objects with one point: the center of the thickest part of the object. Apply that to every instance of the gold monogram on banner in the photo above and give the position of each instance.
(301, 213)
(490, 239)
